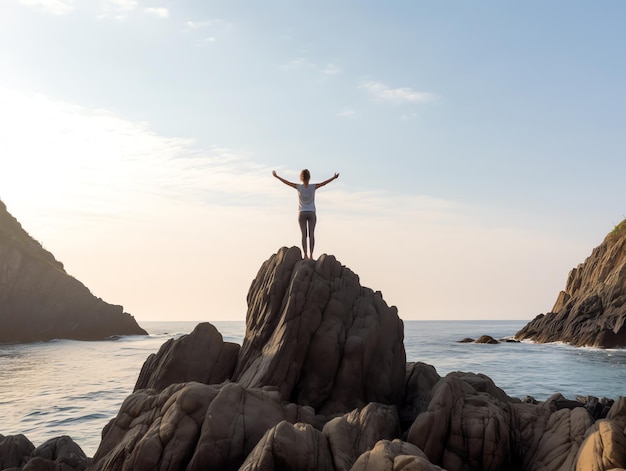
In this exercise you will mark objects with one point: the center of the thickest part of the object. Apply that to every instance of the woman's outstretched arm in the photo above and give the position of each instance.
(325, 182)
(286, 182)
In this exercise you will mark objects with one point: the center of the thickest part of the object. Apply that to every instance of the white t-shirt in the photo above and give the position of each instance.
(306, 197)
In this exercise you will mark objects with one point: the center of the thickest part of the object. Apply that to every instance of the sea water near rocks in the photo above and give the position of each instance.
(66, 387)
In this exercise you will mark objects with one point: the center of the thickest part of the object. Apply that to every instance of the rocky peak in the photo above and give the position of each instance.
(315, 333)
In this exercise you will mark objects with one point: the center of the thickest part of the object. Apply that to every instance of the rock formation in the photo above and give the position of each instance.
(321, 383)
(323, 340)
(200, 356)
(592, 309)
(40, 301)
(61, 453)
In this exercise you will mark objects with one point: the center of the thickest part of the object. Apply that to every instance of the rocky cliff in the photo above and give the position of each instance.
(40, 301)
(591, 311)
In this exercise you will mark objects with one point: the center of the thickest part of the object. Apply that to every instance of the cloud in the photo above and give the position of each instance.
(94, 160)
(330, 70)
(192, 25)
(122, 5)
(347, 113)
(55, 7)
(158, 12)
(207, 40)
(300, 63)
(217, 28)
(119, 9)
(382, 92)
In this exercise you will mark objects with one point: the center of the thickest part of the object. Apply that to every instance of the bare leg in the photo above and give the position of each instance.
(312, 222)
(302, 220)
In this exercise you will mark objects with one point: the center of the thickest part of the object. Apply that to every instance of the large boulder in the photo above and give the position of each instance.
(420, 380)
(343, 440)
(592, 309)
(293, 447)
(352, 434)
(472, 425)
(321, 338)
(192, 426)
(466, 426)
(200, 356)
(17, 453)
(394, 455)
(40, 301)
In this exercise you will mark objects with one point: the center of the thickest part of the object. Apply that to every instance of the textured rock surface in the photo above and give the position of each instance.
(466, 425)
(420, 379)
(192, 426)
(57, 454)
(318, 349)
(355, 433)
(200, 356)
(394, 455)
(320, 337)
(298, 447)
(15, 451)
(592, 309)
(40, 301)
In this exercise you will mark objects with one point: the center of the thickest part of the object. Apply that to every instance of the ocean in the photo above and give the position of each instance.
(66, 387)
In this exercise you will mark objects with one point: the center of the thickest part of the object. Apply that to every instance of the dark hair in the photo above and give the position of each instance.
(305, 175)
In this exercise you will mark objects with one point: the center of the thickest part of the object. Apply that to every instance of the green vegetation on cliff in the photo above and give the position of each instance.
(619, 228)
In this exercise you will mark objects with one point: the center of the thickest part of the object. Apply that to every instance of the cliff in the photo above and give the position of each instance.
(591, 311)
(40, 301)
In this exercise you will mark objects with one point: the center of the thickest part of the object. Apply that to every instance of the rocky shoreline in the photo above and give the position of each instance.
(321, 382)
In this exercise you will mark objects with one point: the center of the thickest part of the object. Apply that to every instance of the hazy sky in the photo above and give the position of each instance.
(481, 145)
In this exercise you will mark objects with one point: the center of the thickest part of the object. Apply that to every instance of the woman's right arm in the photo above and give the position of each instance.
(286, 182)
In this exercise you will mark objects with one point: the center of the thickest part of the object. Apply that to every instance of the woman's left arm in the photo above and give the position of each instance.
(325, 182)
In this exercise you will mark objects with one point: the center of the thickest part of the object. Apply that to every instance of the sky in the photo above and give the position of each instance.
(480, 145)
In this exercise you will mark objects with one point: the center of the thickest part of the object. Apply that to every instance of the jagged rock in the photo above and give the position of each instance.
(471, 425)
(40, 301)
(394, 455)
(598, 408)
(58, 454)
(617, 412)
(319, 337)
(488, 339)
(592, 309)
(200, 356)
(553, 436)
(354, 433)
(604, 448)
(298, 447)
(336, 448)
(420, 379)
(192, 426)
(15, 451)
(466, 427)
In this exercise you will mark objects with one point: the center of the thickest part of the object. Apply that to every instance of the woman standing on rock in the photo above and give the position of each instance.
(306, 206)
